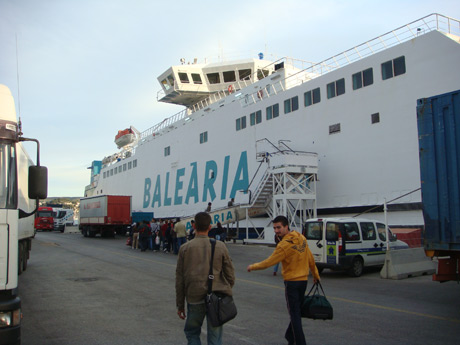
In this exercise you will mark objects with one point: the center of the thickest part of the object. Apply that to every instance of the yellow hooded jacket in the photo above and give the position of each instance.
(296, 258)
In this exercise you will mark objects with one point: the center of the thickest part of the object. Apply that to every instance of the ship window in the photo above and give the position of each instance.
(262, 73)
(256, 117)
(336, 88)
(119, 169)
(203, 137)
(312, 97)
(171, 80)
(213, 78)
(229, 76)
(334, 128)
(104, 174)
(124, 167)
(167, 151)
(273, 111)
(165, 84)
(115, 171)
(364, 78)
(183, 77)
(196, 78)
(375, 118)
(241, 123)
(393, 68)
(130, 165)
(291, 104)
(245, 74)
(134, 163)
(399, 65)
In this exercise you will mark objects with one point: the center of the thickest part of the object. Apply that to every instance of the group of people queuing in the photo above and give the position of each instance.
(165, 235)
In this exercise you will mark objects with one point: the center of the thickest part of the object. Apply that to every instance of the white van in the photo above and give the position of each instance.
(348, 243)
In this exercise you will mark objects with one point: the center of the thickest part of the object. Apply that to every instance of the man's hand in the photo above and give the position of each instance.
(181, 314)
(249, 268)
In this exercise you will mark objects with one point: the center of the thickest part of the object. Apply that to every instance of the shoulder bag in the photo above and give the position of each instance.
(220, 308)
(316, 306)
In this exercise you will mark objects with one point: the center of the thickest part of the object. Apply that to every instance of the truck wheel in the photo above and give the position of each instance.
(356, 268)
(62, 228)
(84, 232)
(20, 258)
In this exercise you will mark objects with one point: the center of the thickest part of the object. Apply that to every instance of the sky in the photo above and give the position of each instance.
(88, 68)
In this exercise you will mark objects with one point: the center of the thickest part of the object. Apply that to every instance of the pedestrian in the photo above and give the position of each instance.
(144, 235)
(164, 226)
(181, 235)
(208, 209)
(191, 235)
(155, 235)
(219, 231)
(297, 262)
(192, 273)
(135, 232)
(169, 237)
(231, 202)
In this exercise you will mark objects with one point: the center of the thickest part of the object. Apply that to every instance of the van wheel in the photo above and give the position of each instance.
(356, 268)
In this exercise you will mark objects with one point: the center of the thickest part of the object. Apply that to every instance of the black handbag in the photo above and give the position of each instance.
(220, 308)
(316, 306)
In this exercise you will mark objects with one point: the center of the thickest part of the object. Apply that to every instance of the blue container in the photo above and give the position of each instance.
(141, 216)
(438, 120)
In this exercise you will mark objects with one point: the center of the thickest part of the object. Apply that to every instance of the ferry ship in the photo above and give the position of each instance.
(333, 138)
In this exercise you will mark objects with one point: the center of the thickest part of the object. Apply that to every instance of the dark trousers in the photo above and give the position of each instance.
(295, 291)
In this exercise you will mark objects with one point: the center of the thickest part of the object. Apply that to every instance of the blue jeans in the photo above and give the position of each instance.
(180, 241)
(295, 290)
(195, 317)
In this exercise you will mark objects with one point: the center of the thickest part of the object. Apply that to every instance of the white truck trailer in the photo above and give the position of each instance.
(21, 186)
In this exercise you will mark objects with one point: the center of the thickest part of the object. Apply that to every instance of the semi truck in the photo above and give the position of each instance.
(106, 215)
(22, 185)
(438, 120)
(44, 219)
(62, 217)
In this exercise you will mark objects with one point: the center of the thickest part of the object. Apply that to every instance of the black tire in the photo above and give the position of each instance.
(356, 268)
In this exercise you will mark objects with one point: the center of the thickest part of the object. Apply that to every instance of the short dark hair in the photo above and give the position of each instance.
(281, 219)
(202, 221)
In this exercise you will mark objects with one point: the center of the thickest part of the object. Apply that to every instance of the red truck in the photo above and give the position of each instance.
(106, 215)
(44, 219)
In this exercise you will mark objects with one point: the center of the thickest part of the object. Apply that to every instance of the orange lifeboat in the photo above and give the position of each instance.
(124, 137)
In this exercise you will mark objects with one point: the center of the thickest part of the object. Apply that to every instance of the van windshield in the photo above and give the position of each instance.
(313, 230)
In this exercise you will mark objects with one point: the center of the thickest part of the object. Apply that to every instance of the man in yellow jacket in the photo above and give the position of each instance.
(297, 262)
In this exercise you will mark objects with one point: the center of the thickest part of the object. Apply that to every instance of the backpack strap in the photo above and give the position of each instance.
(210, 275)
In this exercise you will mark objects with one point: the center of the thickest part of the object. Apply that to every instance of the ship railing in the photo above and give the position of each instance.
(402, 34)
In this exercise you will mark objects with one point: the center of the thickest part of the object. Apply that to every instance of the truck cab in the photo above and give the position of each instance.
(349, 243)
(21, 187)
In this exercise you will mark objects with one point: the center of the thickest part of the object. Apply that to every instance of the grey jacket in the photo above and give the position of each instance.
(193, 268)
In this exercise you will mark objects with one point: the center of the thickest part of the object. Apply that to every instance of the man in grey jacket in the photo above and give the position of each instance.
(192, 280)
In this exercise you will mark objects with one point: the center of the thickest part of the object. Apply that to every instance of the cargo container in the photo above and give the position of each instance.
(106, 215)
(438, 120)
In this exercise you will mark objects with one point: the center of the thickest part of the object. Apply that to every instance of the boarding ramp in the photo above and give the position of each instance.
(407, 263)
(224, 215)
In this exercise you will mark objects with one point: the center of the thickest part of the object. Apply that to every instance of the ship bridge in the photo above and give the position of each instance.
(188, 84)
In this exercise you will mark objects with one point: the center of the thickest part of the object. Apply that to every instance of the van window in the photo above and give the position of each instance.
(332, 231)
(368, 231)
(381, 231)
(351, 231)
(314, 231)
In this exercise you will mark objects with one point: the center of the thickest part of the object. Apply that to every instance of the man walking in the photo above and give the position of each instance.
(192, 280)
(181, 235)
(297, 260)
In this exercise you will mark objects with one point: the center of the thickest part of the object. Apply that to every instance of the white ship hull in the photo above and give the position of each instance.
(360, 166)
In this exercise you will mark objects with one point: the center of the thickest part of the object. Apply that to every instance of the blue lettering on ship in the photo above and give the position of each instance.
(191, 188)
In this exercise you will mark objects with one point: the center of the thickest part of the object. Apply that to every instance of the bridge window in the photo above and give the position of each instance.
(393, 68)
(291, 104)
(213, 78)
(262, 73)
(167, 151)
(245, 74)
(183, 77)
(336, 88)
(375, 118)
(273, 111)
(124, 167)
(203, 137)
(134, 163)
(229, 76)
(312, 97)
(256, 117)
(196, 78)
(363, 79)
(241, 123)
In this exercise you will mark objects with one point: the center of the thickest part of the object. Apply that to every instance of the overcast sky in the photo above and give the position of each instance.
(88, 68)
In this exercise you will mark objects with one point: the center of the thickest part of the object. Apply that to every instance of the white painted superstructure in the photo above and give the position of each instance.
(365, 138)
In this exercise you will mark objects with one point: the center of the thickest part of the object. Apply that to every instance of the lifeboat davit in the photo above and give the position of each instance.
(124, 137)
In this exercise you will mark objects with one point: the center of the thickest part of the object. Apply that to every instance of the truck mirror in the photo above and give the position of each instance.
(38, 182)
